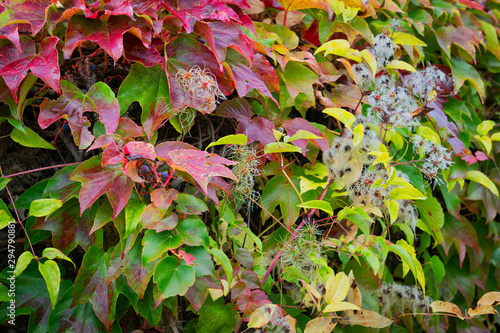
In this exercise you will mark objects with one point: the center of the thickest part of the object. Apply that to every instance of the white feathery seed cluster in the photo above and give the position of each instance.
(246, 170)
(362, 194)
(383, 49)
(391, 104)
(402, 298)
(421, 84)
(200, 85)
(363, 75)
(298, 251)
(345, 162)
(436, 157)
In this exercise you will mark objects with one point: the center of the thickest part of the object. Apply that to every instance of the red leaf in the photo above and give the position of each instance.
(118, 7)
(11, 33)
(14, 65)
(138, 276)
(139, 150)
(249, 301)
(461, 36)
(258, 129)
(200, 165)
(237, 108)
(219, 36)
(259, 75)
(97, 180)
(191, 11)
(146, 7)
(163, 199)
(461, 233)
(111, 155)
(188, 258)
(293, 125)
(73, 103)
(107, 34)
(33, 12)
(153, 218)
(481, 156)
(136, 51)
(90, 285)
(68, 228)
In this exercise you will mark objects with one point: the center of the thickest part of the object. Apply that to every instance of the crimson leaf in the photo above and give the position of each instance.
(97, 180)
(14, 65)
(73, 103)
(108, 34)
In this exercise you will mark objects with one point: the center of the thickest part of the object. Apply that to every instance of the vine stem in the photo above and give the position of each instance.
(283, 250)
(20, 222)
(40, 169)
(296, 231)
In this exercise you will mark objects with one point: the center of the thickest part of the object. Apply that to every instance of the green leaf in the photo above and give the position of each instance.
(438, 269)
(91, 285)
(341, 115)
(225, 262)
(317, 204)
(189, 204)
(193, 232)
(278, 191)
(485, 127)
(44, 207)
(5, 219)
(203, 261)
(52, 276)
(148, 86)
(52, 253)
(215, 317)
(411, 261)
(232, 139)
(23, 261)
(462, 71)
(156, 243)
(30, 139)
(4, 182)
(481, 178)
(173, 278)
(431, 213)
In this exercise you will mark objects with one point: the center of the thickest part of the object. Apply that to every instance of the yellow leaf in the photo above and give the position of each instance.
(290, 5)
(397, 64)
(481, 178)
(428, 133)
(340, 306)
(342, 115)
(481, 310)
(402, 38)
(320, 325)
(370, 60)
(358, 134)
(262, 315)
(393, 209)
(492, 298)
(342, 48)
(337, 287)
(315, 295)
(367, 318)
(495, 137)
(440, 306)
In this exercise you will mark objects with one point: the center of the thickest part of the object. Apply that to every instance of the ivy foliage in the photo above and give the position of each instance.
(239, 166)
